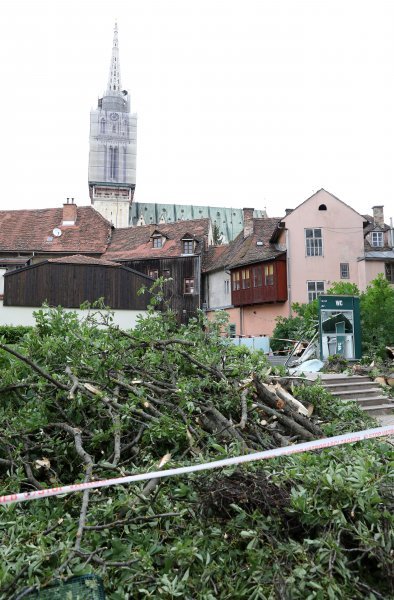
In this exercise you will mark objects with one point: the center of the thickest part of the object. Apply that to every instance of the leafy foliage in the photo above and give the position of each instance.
(217, 236)
(302, 326)
(323, 528)
(12, 334)
(377, 316)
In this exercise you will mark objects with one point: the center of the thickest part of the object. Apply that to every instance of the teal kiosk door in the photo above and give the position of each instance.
(339, 326)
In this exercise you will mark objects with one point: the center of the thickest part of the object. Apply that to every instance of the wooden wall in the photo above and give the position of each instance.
(178, 269)
(69, 285)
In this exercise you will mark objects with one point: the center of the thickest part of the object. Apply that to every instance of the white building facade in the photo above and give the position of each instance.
(113, 148)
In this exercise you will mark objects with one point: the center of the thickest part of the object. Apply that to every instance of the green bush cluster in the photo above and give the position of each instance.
(332, 538)
(12, 334)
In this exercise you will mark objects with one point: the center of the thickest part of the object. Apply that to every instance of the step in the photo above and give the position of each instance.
(351, 385)
(330, 378)
(356, 394)
(379, 409)
(370, 401)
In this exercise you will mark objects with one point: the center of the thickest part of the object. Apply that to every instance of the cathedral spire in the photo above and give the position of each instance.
(114, 81)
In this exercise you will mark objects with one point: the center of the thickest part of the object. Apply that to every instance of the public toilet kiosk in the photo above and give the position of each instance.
(339, 326)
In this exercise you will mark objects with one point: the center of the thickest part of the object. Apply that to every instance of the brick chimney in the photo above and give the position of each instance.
(69, 212)
(248, 221)
(378, 216)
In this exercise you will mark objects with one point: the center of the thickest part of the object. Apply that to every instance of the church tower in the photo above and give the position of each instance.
(113, 148)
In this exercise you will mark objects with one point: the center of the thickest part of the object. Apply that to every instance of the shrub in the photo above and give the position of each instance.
(12, 334)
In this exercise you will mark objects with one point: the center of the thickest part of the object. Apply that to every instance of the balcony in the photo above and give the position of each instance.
(259, 283)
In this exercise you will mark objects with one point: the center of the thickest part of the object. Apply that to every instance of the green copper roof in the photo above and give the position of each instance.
(228, 220)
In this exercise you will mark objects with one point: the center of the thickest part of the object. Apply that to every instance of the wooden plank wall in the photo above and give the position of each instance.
(69, 285)
(180, 268)
(277, 292)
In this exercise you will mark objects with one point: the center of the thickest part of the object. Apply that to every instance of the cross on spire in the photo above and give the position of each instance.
(114, 81)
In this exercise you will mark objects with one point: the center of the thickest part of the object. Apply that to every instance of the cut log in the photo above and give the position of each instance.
(288, 423)
(289, 399)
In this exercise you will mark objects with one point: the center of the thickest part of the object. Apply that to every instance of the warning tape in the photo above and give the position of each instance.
(337, 440)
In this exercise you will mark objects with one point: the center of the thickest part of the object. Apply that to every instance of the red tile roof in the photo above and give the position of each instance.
(213, 257)
(133, 243)
(244, 251)
(32, 231)
(80, 259)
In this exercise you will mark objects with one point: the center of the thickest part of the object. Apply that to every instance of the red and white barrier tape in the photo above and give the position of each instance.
(337, 440)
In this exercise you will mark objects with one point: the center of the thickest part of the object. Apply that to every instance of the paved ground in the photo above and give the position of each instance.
(385, 419)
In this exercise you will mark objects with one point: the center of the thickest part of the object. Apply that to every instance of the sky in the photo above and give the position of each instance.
(252, 103)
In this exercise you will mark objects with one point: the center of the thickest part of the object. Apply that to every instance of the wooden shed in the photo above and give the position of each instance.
(73, 280)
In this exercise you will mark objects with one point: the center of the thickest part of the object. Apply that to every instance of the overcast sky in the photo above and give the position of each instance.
(240, 103)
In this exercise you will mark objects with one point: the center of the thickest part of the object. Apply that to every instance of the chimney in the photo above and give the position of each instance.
(378, 216)
(288, 211)
(248, 221)
(69, 213)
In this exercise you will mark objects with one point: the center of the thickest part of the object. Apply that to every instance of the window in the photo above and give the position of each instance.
(113, 162)
(189, 286)
(102, 126)
(322, 207)
(187, 247)
(236, 281)
(344, 269)
(245, 279)
(166, 273)
(154, 273)
(269, 274)
(257, 277)
(157, 241)
(226, 287)
(314, 242)
(389, 271)
(377, 239)
(315, 289)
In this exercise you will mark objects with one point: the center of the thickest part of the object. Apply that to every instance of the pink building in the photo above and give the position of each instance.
(276, 262)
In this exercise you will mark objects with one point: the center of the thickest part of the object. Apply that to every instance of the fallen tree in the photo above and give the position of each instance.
(84, 401)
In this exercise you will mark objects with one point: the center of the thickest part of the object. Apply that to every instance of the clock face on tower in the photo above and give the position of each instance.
(114, 116)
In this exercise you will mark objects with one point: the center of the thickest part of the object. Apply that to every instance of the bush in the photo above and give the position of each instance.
(377, 316)
(12, 334)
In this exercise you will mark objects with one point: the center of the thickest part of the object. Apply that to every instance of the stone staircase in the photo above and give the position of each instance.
(367, 393)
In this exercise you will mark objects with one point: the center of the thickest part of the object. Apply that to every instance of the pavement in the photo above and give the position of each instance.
(385, 420)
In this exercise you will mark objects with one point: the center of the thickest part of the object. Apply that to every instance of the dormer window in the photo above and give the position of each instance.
(377, 239)
(187, 246)
(157, 239)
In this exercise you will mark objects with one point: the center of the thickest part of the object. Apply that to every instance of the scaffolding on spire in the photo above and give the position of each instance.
(114, 81)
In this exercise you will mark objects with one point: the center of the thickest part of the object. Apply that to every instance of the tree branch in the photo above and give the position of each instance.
(34, 366)
(132, 520)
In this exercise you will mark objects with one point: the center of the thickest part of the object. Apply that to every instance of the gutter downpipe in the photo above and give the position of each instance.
(288, 271)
